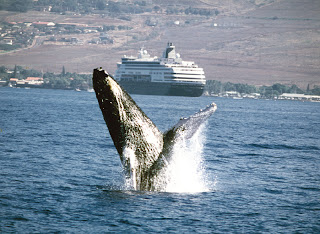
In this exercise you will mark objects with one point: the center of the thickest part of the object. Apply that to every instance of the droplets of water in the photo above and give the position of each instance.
(185, 172)
(132, 161)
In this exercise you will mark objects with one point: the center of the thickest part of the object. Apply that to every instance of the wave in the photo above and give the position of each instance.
(282, 146)
(310, 189)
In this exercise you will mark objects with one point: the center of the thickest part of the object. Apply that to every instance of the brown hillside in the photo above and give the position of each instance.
(256, 42)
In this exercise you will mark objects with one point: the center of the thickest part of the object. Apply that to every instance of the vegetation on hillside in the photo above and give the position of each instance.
(16, 5)
(64, 80)
(275, 90)
(67, 81)
(18, 72)
(103, 6)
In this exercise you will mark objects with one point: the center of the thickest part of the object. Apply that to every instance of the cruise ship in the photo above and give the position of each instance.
(168, 75)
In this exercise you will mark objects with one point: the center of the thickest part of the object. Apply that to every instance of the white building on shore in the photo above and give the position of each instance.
(300, 97)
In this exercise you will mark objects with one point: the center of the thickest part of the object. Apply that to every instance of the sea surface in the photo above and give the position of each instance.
(259, 162)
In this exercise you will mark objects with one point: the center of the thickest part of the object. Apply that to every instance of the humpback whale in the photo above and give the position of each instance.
(143, 149)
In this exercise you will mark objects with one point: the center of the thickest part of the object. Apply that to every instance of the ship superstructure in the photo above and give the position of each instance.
(167, 75)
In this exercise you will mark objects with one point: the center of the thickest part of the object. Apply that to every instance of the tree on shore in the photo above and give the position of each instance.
(15, 71)
(63, 73)
(16, 5)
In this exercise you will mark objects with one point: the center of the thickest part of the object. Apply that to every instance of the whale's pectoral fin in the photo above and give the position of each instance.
(187, 127)
(184, 129)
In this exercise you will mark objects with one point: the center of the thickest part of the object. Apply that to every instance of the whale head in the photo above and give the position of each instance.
(142, 148)
(137, 140)
(109, 95)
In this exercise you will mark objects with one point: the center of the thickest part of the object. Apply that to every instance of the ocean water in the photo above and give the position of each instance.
(253, 168)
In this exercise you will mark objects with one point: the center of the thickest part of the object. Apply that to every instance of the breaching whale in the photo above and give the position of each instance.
(144, 150)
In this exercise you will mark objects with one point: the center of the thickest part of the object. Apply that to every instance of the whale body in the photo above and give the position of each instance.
(143, 149)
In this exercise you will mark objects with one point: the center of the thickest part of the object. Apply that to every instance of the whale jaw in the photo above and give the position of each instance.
(144, 151)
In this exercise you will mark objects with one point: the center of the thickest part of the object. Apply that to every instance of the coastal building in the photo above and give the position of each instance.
(3, 83)
(34, 82)
(300, 97)
(231, 94)
(48, 24)
(13, 81)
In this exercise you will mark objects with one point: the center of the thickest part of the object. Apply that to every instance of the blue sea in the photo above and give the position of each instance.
(60, 172)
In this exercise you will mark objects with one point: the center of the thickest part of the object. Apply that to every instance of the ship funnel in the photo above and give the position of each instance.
(170, 51)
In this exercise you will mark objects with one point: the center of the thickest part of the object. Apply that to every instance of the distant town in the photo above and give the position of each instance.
(15, 35)
(29, 78)
(22, 34)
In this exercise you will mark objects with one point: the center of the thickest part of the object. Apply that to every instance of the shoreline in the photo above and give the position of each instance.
(90, 90)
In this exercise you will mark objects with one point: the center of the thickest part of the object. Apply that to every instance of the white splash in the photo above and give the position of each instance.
(131, 159)
(186, 173)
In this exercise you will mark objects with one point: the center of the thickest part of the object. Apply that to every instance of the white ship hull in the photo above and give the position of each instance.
(169, 75)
